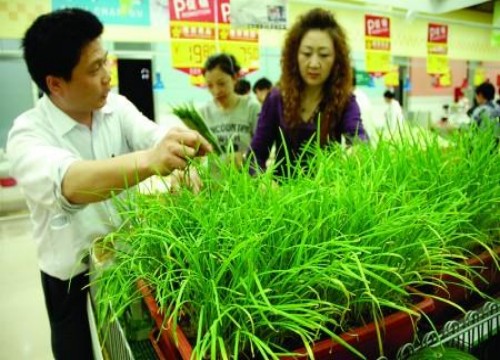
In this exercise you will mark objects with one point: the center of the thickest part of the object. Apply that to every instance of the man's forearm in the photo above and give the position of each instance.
(92, 181)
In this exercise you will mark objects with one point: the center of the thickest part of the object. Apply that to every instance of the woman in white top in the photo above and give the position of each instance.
(393, 114)
(231, 117)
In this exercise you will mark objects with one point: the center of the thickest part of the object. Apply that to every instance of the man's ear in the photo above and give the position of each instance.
(55, 84)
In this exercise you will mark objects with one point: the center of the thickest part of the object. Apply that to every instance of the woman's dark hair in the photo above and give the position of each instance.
(54, 42)
(337, 89)
(389, 94)
(226, 62)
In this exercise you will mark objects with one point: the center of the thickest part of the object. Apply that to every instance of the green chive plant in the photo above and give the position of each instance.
(193, 120)
(250, 269)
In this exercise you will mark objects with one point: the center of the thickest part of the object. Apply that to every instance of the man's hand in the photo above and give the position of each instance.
(175, 150)
(189, 178)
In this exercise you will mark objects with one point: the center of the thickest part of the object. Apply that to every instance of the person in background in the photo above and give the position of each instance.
(262, 88)
(393, 114)
(486, 107)
(230, 116)
(314, 94)
(72, 152)
(243, 87)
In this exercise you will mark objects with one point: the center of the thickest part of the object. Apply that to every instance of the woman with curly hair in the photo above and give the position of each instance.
(314, 93)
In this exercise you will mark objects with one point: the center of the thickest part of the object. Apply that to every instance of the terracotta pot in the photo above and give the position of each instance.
(396, 330)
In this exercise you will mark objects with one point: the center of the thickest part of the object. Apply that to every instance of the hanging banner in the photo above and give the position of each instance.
(391, 78)
(242, 43)
(437, 49)
(192, 34)
(445, 79)
(269, 14)
(479, 76)
(441, 80)
(377, 44)
(202, 28)
(495, 33)
(113, 69)
(112, 12)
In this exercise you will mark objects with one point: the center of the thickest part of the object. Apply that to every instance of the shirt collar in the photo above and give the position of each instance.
(64, 123)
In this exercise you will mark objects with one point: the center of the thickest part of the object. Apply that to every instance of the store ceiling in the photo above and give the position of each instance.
(433, 6)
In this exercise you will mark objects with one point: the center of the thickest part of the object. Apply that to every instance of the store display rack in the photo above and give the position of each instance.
(476, 327)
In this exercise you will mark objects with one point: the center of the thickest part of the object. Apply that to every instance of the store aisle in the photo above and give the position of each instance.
(24, 330)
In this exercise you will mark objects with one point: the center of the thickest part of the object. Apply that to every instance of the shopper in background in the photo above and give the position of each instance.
(314, 93)
(393, 114)
(76, 148)
(262, 88)
(231, 117)
(486, 107)
(243, 87)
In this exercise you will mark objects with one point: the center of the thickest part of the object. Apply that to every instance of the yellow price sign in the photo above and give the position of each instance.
(392, 77)
(445, 79)
(479, 76)
(378, 62)
(377, 44)
(191, 53)
(197, 80)
(437, 49)
(113, 69)
(437, 64)
(247, 53)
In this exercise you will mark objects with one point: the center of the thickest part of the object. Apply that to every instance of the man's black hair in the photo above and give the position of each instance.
(389, 94)
(262, 84)
(54, 42)
(242, 87)
(487, 90)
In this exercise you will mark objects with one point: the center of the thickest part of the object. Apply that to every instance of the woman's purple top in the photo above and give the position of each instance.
(271, 121)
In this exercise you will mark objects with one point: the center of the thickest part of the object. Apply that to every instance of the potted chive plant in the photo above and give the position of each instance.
(254, 270)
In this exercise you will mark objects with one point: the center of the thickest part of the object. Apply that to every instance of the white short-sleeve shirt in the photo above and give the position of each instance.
(41, 146)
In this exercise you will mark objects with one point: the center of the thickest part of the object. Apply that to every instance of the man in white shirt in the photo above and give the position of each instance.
(77, 147)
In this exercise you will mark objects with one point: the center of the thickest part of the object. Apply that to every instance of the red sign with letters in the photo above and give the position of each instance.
(378, 26)
(192, 10)
(437, 33)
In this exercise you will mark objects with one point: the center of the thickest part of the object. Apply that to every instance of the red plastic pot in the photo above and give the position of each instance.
(488, 281)
(166, 340)
(397, 329)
